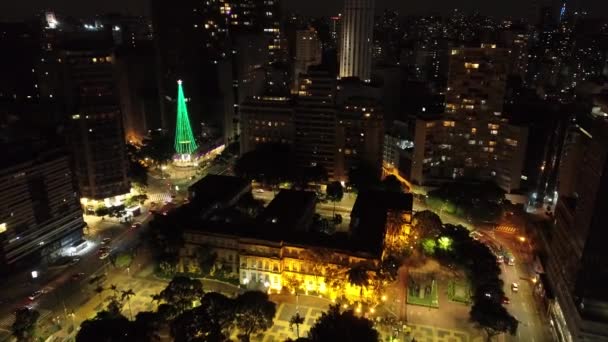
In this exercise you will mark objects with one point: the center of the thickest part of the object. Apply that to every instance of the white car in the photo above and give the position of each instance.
(514, 287)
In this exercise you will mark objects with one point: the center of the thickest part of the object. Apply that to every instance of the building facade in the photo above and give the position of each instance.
(308, 52)
(472, 139)
(359, 136)
(573, 254)
(97, 134)
(39, 210)
(315, 121)
(357, 39)
(266, 119)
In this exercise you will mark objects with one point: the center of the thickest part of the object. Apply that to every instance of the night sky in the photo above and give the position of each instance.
(19, 9)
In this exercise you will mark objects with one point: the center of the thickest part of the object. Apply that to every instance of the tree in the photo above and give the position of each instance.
(147, 326)
(127, 294)
(358, 276)
(104, 329)
(138, 173)
(123, 260)
(389, 268)
(493, 318)
(428, 246)
(334, 325)
(102, 210)
(182, 292)
(159, 148)
(221, 312)
(268, 163)
(296, 320)
(427, 224)
(206, 259)
(254, 313)
(334, 193)
(24, 327)
(392, 184)
(312, 174)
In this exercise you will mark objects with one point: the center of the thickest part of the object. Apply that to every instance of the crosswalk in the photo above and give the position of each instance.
(6, 322)
(506, 229)
(159, 198)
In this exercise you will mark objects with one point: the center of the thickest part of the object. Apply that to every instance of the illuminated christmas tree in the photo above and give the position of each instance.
(184, 139)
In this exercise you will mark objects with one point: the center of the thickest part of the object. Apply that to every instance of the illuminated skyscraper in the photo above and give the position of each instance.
(356, 44)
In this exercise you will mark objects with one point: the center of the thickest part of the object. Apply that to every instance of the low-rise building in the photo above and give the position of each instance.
(278, 249)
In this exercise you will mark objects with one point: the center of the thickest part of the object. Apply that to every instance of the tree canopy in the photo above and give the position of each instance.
(254, 313)
(335, 325)
(182, 292)
(24, 327)
(269, 163)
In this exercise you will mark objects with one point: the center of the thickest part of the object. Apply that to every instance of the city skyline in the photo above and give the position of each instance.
(232, 170)
(514, 9)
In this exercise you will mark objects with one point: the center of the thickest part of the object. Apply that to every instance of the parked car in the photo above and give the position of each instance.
(515, 287)
(104, 255)
(506, 300)
(106, 241)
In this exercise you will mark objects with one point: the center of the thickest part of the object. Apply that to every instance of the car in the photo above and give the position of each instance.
(514, 287)
(77, 276)
(103, 250)
(104, 255)
(106, 241)
(35, 295)
(506, 300)
(136, 225)
(259, 191)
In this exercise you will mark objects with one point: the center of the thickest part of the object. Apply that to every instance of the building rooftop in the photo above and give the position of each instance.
(217, 189)
(287, 209)
(369, 215)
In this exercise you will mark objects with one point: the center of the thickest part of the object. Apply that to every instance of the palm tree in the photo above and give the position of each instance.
(358, 276)
(296, 320)
(127, 294)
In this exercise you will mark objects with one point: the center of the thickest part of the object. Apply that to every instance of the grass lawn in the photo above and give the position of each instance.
(459, 291)
(422, 290)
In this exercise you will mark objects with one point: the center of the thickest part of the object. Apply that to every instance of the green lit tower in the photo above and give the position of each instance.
(184, 139)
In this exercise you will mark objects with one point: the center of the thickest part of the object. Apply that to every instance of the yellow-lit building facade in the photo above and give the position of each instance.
(277, 266)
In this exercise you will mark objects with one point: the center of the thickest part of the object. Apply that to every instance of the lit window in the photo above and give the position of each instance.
(2, 228)
(494, 132)
(471, 65)
(473, 130)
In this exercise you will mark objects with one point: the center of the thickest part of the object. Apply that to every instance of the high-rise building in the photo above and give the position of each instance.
(472, 139)
(359, 136)
(356, 44)
(39, 210)
(191, 44)
(97, 135)
(573, 251)
(308, 52)
(315, 120)
(266, 120)
(138, 90)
